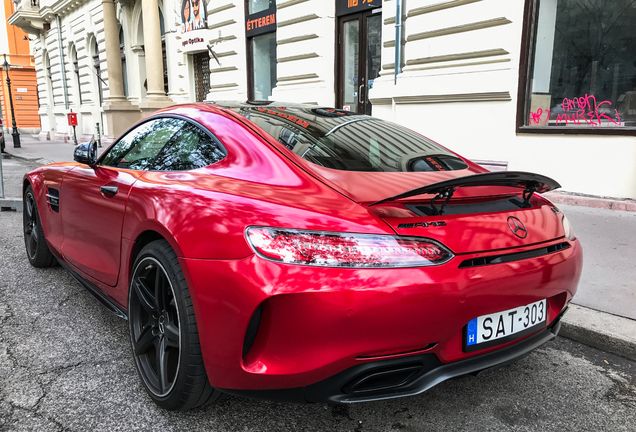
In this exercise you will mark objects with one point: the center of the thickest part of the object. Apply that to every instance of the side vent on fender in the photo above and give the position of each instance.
(53, 199)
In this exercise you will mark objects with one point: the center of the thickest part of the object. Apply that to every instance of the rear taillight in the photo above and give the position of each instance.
(567, 228)
(333, 249)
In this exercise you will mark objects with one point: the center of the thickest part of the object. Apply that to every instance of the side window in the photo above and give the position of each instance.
(138, 149)
(190, 148)
(166, 144)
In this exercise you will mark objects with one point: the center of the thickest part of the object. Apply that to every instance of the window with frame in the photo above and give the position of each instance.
(76, 69)
(263, 50)
(580, 72)
(254, 6)
(49, 74)
(98, 72)
(122, 53)
(165, 144)
(262, 47)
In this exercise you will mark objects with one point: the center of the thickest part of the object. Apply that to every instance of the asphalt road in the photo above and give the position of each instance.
(65, 364)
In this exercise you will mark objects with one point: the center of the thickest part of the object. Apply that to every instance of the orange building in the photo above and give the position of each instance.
(14, 42)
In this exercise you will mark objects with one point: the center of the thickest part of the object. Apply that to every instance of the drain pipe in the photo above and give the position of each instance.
(398, 40)
(61, 47)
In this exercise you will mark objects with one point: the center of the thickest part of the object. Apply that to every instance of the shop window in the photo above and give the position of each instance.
(261, 42)
(263, 65)
(580, 64)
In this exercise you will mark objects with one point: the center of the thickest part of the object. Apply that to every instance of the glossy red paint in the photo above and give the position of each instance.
(100, 257)
(317, 321)
(315, 326)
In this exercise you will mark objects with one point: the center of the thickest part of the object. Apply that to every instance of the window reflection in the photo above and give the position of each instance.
(167, 144)
(361, 144)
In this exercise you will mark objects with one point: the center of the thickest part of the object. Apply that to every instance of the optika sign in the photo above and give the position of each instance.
(192, 41)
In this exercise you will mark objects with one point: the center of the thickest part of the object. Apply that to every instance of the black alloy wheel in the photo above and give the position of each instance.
(36, 248)
(163, 332)
(155, 326)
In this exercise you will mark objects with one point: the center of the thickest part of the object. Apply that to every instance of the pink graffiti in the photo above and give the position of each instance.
(579, 111)
(536, 116)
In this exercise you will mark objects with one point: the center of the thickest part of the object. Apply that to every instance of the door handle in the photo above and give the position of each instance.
(360, 93)
(108, 190)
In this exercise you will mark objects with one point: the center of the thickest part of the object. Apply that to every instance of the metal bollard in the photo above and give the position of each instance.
(99, 138)
(1, 177)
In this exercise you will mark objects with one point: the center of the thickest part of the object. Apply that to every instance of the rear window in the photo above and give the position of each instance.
(353, 143)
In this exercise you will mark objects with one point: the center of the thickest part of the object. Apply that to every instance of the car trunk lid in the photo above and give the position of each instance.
(485, 213)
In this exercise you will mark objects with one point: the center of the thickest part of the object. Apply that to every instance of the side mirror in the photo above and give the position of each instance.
(86, 153)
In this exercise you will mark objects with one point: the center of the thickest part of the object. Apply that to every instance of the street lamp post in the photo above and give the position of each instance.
(16, 134)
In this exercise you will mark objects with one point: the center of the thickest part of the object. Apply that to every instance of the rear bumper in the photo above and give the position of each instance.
(401, 377)
(314, 323)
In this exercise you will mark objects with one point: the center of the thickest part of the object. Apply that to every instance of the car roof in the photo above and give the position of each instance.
(315, 118)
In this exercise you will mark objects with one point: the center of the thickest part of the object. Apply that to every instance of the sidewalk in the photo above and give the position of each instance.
(46, 151)
(604, 315)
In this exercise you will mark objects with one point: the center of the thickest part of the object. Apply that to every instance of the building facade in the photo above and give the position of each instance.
(14, 47)
(538, 85)
(122, 60)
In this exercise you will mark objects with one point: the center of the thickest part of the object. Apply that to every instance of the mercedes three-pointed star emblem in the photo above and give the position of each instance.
(517, 227)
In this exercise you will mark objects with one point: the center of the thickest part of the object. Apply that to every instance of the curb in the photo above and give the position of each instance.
(600, 330)
(20, 157)
(594, 202)
(9, 204)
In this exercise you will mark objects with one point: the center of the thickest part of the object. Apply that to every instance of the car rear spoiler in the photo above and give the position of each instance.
(529, 182)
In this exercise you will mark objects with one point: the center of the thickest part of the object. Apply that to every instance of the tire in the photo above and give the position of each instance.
(36, 248)
(163, 331)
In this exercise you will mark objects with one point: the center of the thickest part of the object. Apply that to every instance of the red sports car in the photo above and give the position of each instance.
(299, 253)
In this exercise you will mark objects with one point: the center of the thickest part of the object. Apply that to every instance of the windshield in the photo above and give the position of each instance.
(351, 142)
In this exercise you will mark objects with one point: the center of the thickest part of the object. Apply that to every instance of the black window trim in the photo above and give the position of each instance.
(159, 117)
(526, 64)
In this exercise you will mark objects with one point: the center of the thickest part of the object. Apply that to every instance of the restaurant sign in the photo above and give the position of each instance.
(261, 22)
(345, 7)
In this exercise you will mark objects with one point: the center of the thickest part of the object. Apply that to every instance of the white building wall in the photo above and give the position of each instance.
(226, 19)
(459, 88)
(306, 55)
(79, 27)
(306, 51)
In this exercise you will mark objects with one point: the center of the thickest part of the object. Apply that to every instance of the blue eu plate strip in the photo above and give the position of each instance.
(471, 332)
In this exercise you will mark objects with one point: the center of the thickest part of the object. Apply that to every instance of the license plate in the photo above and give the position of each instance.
(500, 327)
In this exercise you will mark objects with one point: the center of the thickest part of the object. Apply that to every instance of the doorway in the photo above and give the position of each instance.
(201, 63)
(359, 51)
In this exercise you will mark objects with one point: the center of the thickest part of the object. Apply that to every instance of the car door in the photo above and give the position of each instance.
(95, 198)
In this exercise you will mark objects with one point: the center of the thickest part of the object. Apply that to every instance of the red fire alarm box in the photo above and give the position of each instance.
(72, 119)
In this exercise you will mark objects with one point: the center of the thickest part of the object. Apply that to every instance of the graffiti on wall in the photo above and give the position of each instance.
(579, 111)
